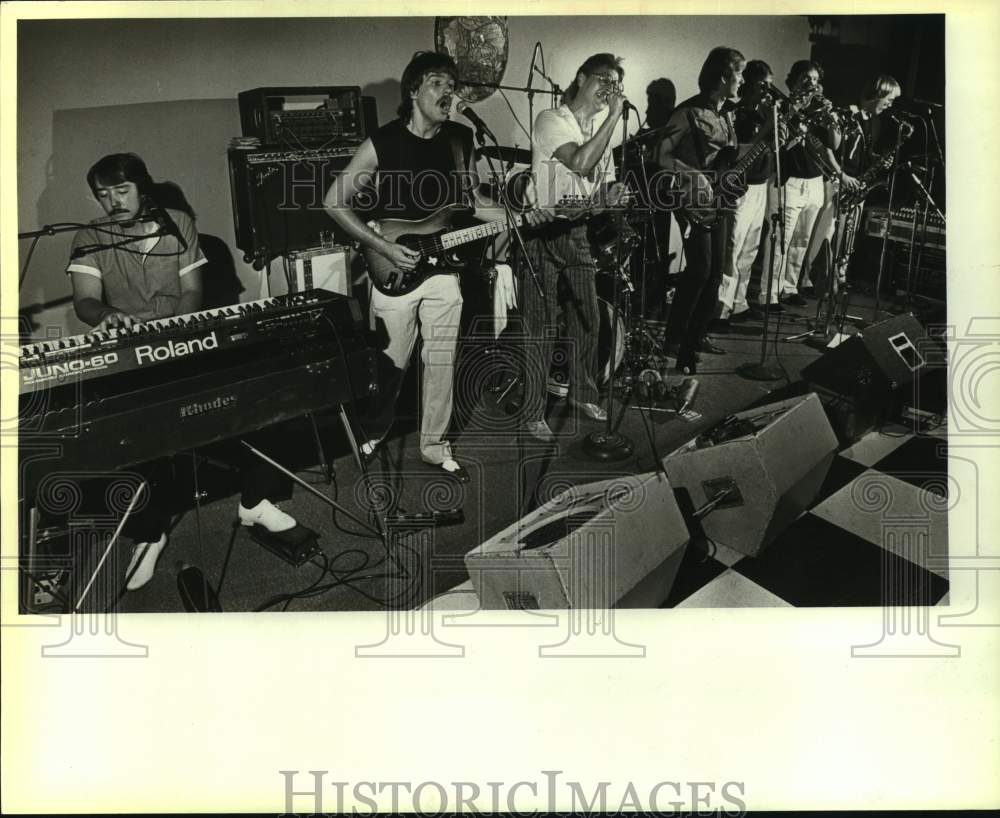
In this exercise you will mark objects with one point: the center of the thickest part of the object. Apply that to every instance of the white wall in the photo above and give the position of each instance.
(167, 90)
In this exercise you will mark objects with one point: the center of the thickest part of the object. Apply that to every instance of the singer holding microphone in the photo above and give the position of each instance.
(570, 156)
(147, 265)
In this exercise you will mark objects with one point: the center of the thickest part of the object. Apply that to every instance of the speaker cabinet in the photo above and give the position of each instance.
(772, 459)
(613, 543)
(865, 380)
(278, 199)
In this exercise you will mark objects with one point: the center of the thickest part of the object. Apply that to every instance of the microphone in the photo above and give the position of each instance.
(163, 219)
(85, 250)
(531, 68)
(902, 123)
(628, 106)
(686, 394)
(481, 127)
(912, 101)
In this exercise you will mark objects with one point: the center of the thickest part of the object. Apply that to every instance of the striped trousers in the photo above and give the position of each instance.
(566, 270)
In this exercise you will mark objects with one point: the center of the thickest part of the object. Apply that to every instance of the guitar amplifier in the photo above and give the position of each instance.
(304, 116)
(278, 199)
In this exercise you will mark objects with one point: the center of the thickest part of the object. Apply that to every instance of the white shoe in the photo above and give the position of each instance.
(143, 562)
(539, 430)
(368, 450)
(266, 514)
(592, 410)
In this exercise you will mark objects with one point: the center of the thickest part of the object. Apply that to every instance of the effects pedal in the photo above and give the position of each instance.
(295, 546)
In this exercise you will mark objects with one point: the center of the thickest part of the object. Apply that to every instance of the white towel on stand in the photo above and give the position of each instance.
(504, 297)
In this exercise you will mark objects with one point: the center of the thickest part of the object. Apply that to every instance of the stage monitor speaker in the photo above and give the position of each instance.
(773, 458)
(278, 199)
(613, 543)
(863, 380)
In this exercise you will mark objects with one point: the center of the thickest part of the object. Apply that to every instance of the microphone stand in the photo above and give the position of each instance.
(888, 222)
(523, 252)
(610, 445)
(759, 371)
(65, 227)
(923, 238)
(531, 93)
(818, 339)
(511, 219)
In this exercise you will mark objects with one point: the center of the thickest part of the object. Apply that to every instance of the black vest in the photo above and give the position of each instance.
(417, 176)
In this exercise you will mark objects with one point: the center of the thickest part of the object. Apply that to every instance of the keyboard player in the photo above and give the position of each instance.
(148, 265)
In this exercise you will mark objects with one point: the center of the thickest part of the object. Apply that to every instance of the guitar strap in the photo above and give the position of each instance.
(458, 157)
(699, 140)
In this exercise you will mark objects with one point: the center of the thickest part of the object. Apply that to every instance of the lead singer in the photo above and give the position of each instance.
(570, 156)
(698, 129)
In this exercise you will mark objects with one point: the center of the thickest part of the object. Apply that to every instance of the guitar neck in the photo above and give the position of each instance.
(751, 156)
(485, 230)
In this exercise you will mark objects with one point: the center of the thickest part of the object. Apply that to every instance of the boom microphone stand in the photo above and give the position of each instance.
(888, 221)
(65, 227)
(760, 371)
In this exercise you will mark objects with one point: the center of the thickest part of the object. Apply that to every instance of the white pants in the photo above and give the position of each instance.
(437, 303)
(803, 200)
(744, 241)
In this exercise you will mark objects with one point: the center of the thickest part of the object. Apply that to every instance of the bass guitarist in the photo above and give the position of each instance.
(408, 169)
(698, 129)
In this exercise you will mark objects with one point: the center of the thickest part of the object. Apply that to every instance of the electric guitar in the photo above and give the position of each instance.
(728, 176)
(439, 246)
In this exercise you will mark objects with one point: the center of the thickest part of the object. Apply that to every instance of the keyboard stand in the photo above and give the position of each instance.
(143, 487)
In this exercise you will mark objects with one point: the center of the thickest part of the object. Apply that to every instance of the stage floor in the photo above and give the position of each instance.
(860, 542)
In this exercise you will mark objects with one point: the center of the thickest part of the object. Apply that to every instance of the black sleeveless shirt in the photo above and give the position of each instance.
(416, 176)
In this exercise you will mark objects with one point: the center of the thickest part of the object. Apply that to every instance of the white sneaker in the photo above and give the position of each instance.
(539, 430)
(266, 514)
(592, 410)
(143, 562)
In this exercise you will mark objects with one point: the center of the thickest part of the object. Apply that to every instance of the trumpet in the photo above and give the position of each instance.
(806, 107)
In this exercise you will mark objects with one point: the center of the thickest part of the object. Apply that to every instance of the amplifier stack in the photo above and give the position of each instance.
(295, 140)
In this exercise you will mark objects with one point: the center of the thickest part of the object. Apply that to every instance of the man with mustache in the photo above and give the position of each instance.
(129, 272)
(408, 169)
(570, 156)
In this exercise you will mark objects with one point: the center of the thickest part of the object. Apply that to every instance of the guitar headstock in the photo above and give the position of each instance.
(600, 200)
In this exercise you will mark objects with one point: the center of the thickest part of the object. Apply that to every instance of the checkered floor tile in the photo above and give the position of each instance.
(876, 534)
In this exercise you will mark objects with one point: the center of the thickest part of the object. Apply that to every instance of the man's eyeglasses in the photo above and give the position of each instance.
(606, 79)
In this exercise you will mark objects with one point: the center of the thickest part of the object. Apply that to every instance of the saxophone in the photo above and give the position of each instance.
(867, 182)
(852, 221)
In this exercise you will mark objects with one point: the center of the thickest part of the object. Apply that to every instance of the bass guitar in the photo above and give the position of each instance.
(728, 175)
(440, 246)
